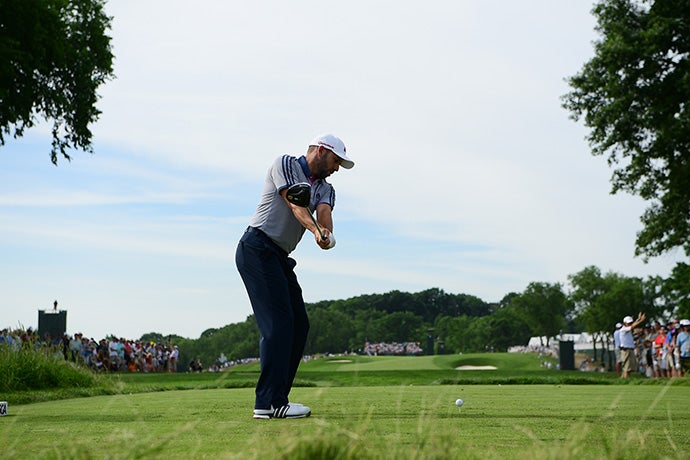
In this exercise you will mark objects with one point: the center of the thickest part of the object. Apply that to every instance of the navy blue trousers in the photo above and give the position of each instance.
(276, 298)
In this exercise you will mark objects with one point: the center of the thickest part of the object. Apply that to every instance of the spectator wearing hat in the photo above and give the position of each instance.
(628, 359)
(683, 345)
(617, 346)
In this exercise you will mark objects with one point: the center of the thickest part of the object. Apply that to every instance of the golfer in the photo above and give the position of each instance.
(267, 271)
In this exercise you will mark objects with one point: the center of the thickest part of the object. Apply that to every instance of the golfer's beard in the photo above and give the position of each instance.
(321, 172)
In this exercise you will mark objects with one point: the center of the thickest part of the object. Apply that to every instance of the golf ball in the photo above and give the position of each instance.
(459, 402)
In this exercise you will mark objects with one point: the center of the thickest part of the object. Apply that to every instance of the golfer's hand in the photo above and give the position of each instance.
(323, 243)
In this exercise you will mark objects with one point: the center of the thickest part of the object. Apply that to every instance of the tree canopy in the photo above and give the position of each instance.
(54, 54)
(543, 307)
(676, 291)
(634, 95)
(603, 300)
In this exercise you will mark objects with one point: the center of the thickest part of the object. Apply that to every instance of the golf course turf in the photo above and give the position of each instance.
(364, 407)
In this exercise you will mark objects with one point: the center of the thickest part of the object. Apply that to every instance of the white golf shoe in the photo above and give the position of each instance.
(290, 410)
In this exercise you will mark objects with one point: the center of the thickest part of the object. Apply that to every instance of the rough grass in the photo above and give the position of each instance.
(29, 369)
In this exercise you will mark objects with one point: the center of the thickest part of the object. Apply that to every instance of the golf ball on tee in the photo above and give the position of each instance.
(459, 402)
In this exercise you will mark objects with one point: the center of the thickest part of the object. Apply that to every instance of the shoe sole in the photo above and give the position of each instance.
(300, 416)
(269, 416)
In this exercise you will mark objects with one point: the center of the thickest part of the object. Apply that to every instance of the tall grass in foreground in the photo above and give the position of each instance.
(632, 444)
(349, 446)
(26, 368)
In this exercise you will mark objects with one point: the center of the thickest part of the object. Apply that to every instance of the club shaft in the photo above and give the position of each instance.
(317, 225)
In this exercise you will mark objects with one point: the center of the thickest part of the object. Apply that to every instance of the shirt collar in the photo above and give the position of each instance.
(305, 167)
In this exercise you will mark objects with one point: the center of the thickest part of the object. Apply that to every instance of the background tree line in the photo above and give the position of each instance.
(457, 323)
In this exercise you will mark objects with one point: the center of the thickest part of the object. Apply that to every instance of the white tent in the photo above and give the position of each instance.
(583, 341)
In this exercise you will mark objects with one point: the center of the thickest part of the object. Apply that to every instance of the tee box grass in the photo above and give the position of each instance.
(363, 407)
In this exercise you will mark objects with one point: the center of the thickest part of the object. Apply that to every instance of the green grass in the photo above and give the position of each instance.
(29, 369)
(368, 407)
(512, 421)
(382, 370)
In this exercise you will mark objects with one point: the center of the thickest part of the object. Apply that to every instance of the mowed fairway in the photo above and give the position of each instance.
(382, 421)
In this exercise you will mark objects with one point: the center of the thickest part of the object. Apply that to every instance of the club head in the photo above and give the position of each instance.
(299, 194)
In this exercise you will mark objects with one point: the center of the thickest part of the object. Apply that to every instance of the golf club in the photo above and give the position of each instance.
(299, 194)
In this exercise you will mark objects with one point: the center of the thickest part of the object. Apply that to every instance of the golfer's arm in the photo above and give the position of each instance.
(302, 215)
(324, 215)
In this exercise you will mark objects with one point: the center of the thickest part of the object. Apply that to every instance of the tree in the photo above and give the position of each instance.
(506, 328)
(329, 331)
(434, 302)
(367, 327)
(400, 326)
(634, 95)
(54, 54)
(588, 285)
(543, 307)
(588, 288)
(675, 289)
(601, 301)
(459, 333)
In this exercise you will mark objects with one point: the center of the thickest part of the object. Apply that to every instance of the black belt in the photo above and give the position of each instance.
(623, 348)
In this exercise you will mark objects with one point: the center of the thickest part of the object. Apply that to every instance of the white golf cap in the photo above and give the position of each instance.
(335, 145)
(627, 319)
(619, 325)
(684, 322)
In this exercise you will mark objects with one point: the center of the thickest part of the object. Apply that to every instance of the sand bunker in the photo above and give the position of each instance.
(340, 361)
(476, 368)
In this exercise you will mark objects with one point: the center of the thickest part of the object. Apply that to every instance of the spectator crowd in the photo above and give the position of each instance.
(106, 355)
(393, 348)
(661, 350)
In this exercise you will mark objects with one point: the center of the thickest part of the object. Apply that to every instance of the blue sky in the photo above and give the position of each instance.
(469, 175)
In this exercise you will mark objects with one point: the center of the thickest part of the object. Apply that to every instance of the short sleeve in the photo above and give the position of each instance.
(323, 192)
(285, 172)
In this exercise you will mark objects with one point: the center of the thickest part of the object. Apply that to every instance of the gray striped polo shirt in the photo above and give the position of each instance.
(273, 215)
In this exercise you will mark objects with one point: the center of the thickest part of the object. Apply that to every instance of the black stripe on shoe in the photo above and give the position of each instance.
(281, 412)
